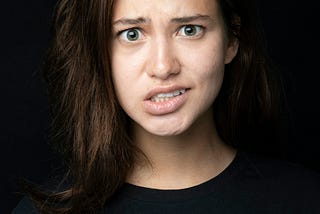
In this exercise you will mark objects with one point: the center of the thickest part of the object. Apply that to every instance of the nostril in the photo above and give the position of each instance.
(164, 69)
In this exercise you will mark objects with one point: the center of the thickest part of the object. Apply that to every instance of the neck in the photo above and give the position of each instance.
(185, 160)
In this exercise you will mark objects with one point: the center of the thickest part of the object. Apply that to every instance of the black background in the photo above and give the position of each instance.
(290, 28)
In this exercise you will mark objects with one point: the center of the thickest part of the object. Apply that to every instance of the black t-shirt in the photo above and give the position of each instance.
(250, 184)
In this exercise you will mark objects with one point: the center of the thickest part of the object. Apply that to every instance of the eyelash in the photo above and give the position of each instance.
(199, 32)
(199, 28)
(122, 33)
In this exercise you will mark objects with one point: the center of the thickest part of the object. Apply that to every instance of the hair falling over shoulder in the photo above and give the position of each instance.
(89, 127)
(250, 108)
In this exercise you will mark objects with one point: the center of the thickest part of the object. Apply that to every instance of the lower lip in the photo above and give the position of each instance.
(165, 107)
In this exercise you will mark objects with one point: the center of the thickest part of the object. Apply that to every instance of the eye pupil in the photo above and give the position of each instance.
(133, 35)
(190, 30)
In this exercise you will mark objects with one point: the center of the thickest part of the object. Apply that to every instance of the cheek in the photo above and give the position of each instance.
(127, 73)
(206, 64)
(207, 69)
(121, 79)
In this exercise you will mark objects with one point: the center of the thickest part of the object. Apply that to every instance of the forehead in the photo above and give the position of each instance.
(164, 8)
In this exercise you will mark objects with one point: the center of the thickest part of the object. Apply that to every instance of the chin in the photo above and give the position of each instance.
(167, 130)
(167, 133)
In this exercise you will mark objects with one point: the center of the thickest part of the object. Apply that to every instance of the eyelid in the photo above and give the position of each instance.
(120, 34)
(201, 31)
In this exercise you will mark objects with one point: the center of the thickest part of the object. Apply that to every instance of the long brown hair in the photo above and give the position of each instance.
(89, 127)
(250, 108)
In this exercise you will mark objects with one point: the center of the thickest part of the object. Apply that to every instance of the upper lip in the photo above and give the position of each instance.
(163, 89)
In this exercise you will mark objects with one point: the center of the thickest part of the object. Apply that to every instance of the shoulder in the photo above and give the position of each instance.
(276, 184)
(273, 168)
(25, 206)
(282, 175)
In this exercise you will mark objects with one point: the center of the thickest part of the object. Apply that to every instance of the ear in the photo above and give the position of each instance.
(232, 50)
(233, 45)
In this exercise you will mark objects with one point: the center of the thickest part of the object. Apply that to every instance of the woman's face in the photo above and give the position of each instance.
(168, 61)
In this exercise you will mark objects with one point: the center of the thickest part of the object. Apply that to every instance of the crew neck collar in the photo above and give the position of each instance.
(149, 194)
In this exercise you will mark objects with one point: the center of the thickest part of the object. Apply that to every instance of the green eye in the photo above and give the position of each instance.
(131, 35)
(191, 30)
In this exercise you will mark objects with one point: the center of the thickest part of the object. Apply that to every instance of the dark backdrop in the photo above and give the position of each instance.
(25, 32)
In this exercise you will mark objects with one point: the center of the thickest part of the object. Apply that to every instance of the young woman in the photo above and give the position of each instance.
(152, 103)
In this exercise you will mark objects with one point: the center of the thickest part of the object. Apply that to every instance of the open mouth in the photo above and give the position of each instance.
(161, 97)
(162, 101)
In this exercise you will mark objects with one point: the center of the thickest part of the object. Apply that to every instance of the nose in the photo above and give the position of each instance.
(162, 61)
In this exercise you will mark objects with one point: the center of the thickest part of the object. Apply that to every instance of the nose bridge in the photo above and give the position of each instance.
(163, 62)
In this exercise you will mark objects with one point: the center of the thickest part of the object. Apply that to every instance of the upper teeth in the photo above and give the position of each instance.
(165, 96)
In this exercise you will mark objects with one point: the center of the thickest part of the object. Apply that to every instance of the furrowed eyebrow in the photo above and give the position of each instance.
(127, 21)
(142, 20)
(187, 19)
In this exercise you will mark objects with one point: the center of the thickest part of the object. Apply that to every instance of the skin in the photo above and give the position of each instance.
(179, 44)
